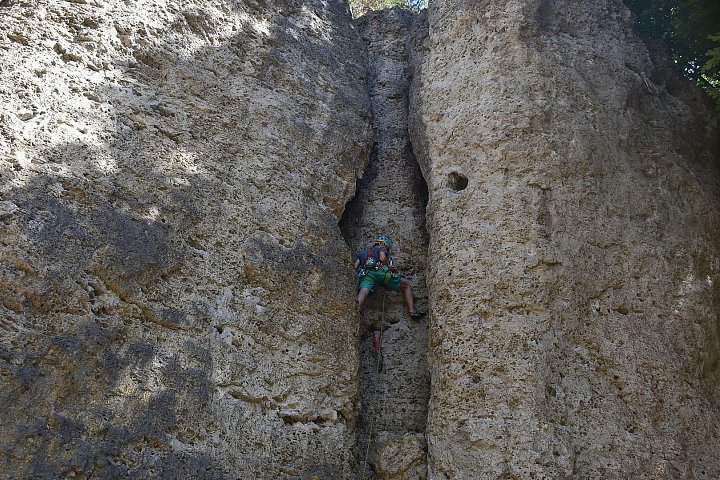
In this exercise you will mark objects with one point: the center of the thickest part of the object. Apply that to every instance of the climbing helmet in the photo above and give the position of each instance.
(384, 240)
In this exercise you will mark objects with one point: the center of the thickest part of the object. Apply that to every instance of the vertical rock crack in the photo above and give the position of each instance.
(391, 199)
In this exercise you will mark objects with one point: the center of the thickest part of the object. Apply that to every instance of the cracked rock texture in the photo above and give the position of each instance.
(574, 262)
(175, 300)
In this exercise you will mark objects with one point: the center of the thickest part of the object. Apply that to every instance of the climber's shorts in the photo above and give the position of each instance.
(380, 278)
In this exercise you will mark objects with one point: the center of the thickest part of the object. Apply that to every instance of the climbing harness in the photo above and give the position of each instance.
(371, 264)
(368, 264)
(376, 343)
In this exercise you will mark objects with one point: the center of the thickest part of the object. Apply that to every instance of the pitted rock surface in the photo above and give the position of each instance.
(573, 267)
(174, 295)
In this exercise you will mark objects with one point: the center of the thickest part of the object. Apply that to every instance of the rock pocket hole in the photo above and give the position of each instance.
(457, 181)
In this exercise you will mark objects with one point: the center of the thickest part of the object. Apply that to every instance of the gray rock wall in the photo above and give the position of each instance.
(174, 295)
(573, 266)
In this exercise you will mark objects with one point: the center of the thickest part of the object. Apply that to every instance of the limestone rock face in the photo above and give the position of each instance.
(400, 456)
(175, 300)
(574, 273)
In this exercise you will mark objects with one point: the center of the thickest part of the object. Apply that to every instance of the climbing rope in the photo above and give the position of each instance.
(377, 345)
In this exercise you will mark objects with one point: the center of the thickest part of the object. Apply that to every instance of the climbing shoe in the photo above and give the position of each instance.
(418, 313)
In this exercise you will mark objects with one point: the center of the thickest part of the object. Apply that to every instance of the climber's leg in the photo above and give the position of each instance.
(410, 300)
(407, 292)
(362, 295)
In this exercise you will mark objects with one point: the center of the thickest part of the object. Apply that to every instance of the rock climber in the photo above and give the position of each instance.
(374, 267)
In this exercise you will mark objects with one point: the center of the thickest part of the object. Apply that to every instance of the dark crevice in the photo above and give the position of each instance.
(354, 208)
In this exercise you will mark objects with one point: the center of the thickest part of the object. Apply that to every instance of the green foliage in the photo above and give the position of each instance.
(361, 7)
(714, 54)
(691, 29)
(710, 73)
